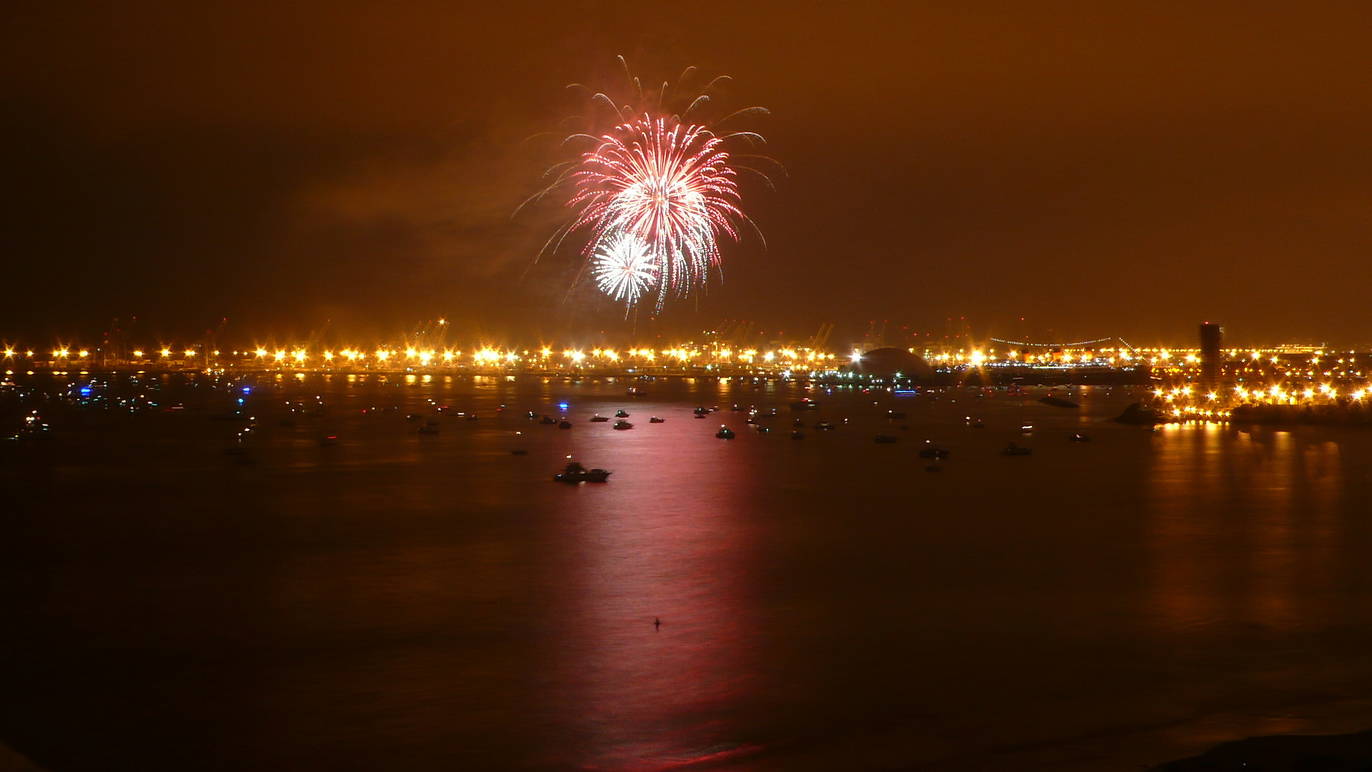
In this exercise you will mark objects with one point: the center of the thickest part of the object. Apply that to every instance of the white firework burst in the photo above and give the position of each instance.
(624, 267)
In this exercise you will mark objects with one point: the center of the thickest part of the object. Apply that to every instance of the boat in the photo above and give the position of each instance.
(599, 419)
(930, 450)
(620, 413)
(797, 435)
(575, 473)
(1058, 401)
(701, 411)
(1016, 450)
(725, 433)
(1026, 428)
(805, 404)
(885, 439)
(564, 424)
(623, 425)
(761, 429)
(824, 426)
(895, 415)
(700, 415)
(1139, 415)
(547, 419)
(635, 391)
(657, 420)
(1079, 438)
(328, 440)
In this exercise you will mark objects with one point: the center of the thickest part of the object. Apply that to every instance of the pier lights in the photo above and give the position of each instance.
(60, 353)
(9, 353)
(299, 356)
(138, 353)
(328, 356)
(190, 352)
(280, 355)
(261, 352)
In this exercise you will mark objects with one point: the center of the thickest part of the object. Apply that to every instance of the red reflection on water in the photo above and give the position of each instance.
(667, 539)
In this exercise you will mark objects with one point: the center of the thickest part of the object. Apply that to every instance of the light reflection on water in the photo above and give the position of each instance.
(825, 603)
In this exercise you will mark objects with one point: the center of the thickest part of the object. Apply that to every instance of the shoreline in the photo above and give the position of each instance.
(1281, 752)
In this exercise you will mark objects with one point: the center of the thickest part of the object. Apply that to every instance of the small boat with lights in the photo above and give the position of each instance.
(930, 450)
(599, 419)
(725, 433)
(623, 425)
(1058, 401)
(657, 420)
(621, 413)
(575, 473)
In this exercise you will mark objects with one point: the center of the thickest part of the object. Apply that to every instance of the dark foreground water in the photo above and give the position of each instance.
(406, 601)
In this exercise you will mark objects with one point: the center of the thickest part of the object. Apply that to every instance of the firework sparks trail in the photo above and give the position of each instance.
(624, 268)
(665, 178)
(671, 187)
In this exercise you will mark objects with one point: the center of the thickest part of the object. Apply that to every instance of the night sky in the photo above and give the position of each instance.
(1097, 169)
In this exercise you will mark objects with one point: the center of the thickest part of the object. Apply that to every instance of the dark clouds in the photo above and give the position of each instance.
(1097, 169)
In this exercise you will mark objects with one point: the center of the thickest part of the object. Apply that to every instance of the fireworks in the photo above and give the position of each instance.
(655, 193)
(624, 267)
(671, 187)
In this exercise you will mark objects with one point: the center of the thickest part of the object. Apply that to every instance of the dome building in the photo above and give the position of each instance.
(886, 362)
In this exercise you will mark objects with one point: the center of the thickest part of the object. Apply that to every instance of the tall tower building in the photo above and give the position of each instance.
(1211, 336)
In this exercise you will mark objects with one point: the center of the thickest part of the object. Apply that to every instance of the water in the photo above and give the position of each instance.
(403, 601)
